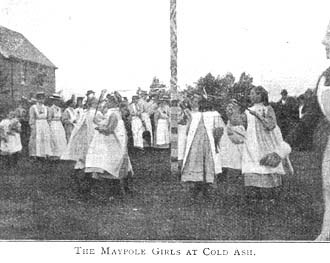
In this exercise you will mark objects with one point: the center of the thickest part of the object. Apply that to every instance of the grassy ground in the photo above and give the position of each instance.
(41, 202)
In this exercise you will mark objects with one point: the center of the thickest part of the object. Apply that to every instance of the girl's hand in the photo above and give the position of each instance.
(271, 160)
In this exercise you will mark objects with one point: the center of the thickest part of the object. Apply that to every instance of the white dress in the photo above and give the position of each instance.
(137, 126)
(108, 153)
(12, 143)
(39, 144)
(211, 120)
(80, 139)
(231, 153)
(162, 130)
(58, 137)
(258, 143)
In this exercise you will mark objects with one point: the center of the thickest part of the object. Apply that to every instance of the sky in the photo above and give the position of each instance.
(122, 45)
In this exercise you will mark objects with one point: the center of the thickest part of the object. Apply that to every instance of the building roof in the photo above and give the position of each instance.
(15, 45)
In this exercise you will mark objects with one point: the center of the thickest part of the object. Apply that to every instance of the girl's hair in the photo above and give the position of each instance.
(263, 94)
(113, 100)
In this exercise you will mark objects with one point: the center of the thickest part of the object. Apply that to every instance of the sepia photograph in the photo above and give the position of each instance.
(165, 120)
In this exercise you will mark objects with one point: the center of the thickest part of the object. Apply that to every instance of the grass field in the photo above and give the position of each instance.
(41, 202)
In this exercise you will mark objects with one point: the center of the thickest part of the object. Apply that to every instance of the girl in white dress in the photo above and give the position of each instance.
(69, 119)
(162, 117)
(10, 144)
(263, 151)
(323, 95)
(202, 158)
(39, 144)
(137, 125)
(58, 139)
(107, 155)
(233, 138)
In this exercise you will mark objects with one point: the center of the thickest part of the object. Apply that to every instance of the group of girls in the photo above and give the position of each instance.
(250, 142)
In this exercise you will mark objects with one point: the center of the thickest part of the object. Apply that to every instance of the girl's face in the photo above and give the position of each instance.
(254, 97)
(195, 103)
(41, 101)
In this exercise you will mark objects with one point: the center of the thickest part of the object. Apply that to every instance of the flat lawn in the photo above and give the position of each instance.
(40, 202)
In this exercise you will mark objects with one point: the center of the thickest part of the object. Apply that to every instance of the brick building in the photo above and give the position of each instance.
(24, 70)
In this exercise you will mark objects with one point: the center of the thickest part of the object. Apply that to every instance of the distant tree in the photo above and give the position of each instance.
(216, 89)
(240, 91)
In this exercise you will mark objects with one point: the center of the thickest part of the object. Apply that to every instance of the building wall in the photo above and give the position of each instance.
(5, 88)
(23, 76)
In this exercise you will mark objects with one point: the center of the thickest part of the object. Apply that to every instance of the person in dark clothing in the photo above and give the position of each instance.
(23, 117)
(287, 113)
(310, 113)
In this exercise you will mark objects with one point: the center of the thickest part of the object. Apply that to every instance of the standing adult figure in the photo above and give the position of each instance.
(23, 117)
(107, 155)
(58, 140)
(69, 118)
(82, 136)
(323, 96)
(137, 125)
(162, 117)
(39, 144)
(287, 113)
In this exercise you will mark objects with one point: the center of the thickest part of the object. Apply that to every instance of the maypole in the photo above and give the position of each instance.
(174, 91)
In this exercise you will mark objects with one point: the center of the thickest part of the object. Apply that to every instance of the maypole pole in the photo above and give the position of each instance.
(174, 90)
